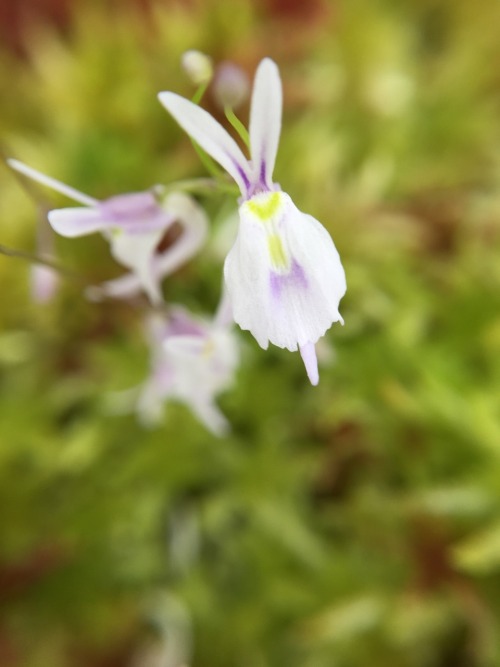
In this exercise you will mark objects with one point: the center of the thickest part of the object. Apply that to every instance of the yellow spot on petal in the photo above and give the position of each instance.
(265, 206)
(277, 252)
(208, 349)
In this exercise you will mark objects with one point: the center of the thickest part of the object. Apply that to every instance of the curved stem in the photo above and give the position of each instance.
(238, 126)
(44, 261)
(196, 99)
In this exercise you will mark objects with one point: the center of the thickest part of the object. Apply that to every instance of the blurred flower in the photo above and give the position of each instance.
(44, 282)
(192, 360)
(231, 85)
(193, 220)
(283, 274)
(133, 223)
(198, 66)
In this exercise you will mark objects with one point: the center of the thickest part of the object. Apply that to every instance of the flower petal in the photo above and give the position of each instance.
(185, 346)
(308, 354)
(283, 274)
(192, 218)
(265, 121)
(210, 415)
(50, 182)
(72, 222)
(210, 135)
(136, 252)
(135, 213)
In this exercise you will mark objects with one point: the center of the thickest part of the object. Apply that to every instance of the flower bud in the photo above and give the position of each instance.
(231, 85)
(198, 66)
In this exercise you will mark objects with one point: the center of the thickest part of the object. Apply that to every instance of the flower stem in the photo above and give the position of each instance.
(196, 99)
(238, 125)
(205, 186)
(207, 161)
(44, 261)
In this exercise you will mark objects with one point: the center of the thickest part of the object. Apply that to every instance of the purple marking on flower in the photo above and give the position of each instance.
(263, 179)
(180, 324)
(122, 207)
(135, 212)
(296, 278)
(241, 172)
(259, 187)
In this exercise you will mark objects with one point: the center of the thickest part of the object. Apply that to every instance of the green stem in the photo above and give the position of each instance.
(44, 261)
(207, 161)
(238, 126)
(196, 99)
(205, 186)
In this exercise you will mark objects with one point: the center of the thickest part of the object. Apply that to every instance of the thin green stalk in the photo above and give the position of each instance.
(238, 126)
(44, 261)
(196, 99)
(207, 161)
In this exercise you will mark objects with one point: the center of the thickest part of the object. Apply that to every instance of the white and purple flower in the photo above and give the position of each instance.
(283, 274)
(133, 223)
(192, 361)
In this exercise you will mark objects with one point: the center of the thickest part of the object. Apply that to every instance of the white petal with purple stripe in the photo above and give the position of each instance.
(265, 123)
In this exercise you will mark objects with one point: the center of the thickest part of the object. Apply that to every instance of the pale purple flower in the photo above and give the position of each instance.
(283, 274)
(133, 223)
(192, 361)
(44, 283)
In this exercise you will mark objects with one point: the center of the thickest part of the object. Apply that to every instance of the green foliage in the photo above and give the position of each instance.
(352, 524)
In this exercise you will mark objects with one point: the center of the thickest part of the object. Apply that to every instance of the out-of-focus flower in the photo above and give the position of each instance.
(198, 66)
(133, 223)
(44, 281)
(193, 221)
(283, 274)
(231, 86)
(192, 361)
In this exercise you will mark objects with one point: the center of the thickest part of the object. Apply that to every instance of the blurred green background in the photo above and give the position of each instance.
(352, 524)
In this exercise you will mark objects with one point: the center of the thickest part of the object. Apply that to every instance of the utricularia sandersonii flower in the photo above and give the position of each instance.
(283, 275)
(133, 224)
(192, 361)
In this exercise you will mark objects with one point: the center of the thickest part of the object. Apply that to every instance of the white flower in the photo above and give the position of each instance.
(134, 224)
(283, 274)
(192, 361)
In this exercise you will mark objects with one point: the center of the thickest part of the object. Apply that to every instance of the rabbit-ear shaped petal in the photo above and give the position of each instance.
(265, 121)
(210, 135)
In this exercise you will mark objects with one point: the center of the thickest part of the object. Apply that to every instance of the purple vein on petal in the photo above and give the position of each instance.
(241, 172)
(296, 278)
(263, 172)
